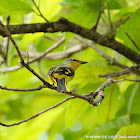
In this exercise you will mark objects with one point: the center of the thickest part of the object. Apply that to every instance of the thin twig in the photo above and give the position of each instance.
(36, 115)
(14, 43)
(8, 69)
(135, 80)
(27, 52)
(100, 12)
(7, 43)
(132, 41)
(2, 52)
(18, 89)
(37, 7)
(110, 22)
(121, 72)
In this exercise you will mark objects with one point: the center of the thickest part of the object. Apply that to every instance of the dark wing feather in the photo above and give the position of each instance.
(64, 70)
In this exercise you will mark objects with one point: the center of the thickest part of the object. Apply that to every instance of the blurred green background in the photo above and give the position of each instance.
(76, 119)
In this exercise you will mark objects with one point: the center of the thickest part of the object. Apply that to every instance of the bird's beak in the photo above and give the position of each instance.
(83, 62)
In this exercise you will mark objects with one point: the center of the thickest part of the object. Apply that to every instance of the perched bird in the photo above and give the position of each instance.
(63, 73)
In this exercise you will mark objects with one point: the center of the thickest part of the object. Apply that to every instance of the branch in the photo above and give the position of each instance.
(121, 72)
(8, 69)
(7, 43)
(36, 115)
(100, 91)
(135, 80)
(18, 89)
(111, 60)
(62, 54)
(100, 12)
(48, 56)
(2, 52)
(89, 97)
(64, 25)
(10, 37)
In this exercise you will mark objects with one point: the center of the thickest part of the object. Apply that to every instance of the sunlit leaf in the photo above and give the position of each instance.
(9, 7)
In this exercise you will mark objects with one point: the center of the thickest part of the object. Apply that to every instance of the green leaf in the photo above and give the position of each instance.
(72, 3)
(131, 103)
(125, 12)
(109, 128)
(130, 132)
(10, 7)
(74, 106)
(116, 4)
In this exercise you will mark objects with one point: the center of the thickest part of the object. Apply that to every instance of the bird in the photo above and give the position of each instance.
(63, 73)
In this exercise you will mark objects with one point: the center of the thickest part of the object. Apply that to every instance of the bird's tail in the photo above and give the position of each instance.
(61, 85)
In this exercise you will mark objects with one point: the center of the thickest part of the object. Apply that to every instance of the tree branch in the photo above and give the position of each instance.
(36, 115)
(18, 89)
(48, 56)
(121, 72)
(89, 97)
(38, 57)
(5, 48)
(111, 60)
(64, 25)
(14, 43)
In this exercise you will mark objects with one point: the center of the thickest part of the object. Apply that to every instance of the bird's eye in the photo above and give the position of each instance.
(74, 59)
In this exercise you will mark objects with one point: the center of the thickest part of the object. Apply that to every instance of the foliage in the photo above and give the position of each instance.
(119, 112)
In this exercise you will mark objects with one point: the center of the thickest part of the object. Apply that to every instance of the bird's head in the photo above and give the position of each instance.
(74, 63)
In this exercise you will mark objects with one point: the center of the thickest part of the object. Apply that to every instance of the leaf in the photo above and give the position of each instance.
(73, 111)
(10, 7)
(129, 132)
(71, 3)
(109, 128)
(116, 4)
(125, 12)
(130, 106)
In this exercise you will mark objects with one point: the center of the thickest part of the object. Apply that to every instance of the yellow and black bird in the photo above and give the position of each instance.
(63, 73)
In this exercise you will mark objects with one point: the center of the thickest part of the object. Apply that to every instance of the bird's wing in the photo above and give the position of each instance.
(64, 70)
(61, 69)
